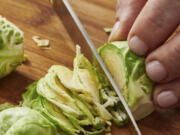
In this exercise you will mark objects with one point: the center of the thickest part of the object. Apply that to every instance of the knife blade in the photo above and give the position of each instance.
(56, 6)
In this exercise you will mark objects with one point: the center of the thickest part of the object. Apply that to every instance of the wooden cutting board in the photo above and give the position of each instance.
(36, 17)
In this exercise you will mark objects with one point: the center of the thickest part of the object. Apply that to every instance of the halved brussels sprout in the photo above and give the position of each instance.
(11, 47)
(109, 98)
(128, 70)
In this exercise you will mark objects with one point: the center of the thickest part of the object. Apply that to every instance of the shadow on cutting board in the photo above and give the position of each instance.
(12, 87)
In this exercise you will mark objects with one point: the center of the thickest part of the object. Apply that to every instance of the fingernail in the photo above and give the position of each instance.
(114, 34)
(138, 46)
(167, 99)
(156, 71)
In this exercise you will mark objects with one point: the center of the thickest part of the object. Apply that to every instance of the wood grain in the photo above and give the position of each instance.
(36, 17)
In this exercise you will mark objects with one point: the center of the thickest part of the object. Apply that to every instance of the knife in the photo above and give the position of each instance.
(57, 4)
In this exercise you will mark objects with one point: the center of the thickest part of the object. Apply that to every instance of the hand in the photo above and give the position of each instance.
(147, 24)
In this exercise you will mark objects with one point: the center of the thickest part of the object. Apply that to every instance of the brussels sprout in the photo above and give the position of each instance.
(11, 47)
(128, 70)
(109, 98)
(24, 121)
(32, 100)
(82, 81)
(70, 104)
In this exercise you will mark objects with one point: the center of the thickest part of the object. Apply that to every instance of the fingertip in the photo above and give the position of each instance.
(167, 99)
(118, 32)
(138, 46)
(115, 32)
(167, 95)
(156, 71)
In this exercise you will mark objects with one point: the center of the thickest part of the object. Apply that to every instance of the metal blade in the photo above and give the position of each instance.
(99, 59)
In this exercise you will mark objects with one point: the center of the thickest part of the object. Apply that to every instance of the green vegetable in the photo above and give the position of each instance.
(109, 98)
(72, 107)
(65, 109)
(128, 70)
(82, 81)
(24, 121)
(32, 100)
(11, 47)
